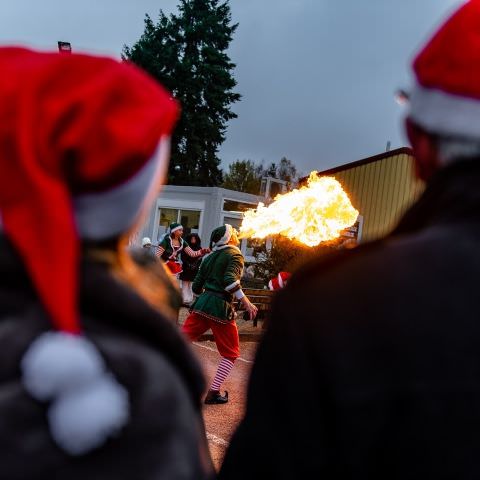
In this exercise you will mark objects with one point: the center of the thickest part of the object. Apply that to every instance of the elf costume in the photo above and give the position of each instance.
(170, 253)
(218, 284)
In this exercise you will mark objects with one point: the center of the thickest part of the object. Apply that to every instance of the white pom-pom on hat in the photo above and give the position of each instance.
(57, 362)
(83, 420)
(87, 404)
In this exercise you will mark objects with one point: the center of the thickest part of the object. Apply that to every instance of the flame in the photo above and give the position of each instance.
(312, 214)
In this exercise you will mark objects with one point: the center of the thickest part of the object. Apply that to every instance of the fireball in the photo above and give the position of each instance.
(311, 214)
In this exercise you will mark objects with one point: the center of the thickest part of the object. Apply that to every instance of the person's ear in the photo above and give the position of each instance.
(425, 150)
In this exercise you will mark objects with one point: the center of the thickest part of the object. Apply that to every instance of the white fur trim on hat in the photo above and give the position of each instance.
(226, 237)
(83, 420)
(87, 404)
(180, 227)
(107, 214)
(444, 113)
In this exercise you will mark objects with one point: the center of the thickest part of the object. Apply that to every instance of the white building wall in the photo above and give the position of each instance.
(208, 200)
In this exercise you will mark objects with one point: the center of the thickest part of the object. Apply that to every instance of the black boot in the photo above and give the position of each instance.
(214, 397)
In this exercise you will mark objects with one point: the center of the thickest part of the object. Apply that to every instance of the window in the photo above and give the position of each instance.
(237, 207)
(234, 222)
(244, 243)
(190, 219)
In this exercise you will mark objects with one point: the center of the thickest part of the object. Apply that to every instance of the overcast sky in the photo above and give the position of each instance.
(317, 76)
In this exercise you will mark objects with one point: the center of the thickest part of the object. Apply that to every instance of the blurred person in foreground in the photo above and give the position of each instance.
(95, 381)
(157, 277)
(383, 341)
(217, 286)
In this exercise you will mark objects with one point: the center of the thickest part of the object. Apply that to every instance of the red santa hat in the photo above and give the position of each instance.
(446, 97)
(84, 143)
(279, 281)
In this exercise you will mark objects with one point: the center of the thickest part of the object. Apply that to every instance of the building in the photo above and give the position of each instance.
(199, 210)
(381, 188)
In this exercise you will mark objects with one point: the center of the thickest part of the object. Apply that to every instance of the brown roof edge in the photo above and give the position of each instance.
(363, 161)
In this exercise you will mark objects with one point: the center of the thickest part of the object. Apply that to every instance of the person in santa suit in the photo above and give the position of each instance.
(217, 285)
(384, 339)
(172, 245)
(95, 380)
(280, 281)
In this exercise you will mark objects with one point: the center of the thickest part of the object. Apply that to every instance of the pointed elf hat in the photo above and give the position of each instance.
(446, 97)
(84, 144)
(175, 226)
(220, 236)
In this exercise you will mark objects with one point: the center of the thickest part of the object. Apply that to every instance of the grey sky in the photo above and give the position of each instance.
(317, 76)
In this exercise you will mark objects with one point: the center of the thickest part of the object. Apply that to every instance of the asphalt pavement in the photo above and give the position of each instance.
(222, 420)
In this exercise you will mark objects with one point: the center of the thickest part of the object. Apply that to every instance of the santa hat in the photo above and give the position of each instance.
(84, 146)
(279, 281)
(220, 236)
(446, 97)
(175, 226)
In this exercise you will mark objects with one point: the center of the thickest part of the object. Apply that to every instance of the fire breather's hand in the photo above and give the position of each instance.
(250, 308)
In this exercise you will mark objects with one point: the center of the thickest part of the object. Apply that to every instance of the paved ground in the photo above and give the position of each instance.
(221, 420)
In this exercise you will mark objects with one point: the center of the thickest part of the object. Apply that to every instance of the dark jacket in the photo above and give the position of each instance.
(164, 438)
(370, 367)
(190, 265)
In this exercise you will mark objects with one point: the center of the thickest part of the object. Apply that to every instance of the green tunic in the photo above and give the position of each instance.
(218, 277)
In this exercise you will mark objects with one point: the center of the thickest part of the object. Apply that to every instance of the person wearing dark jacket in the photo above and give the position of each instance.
(190, 266)
(95, 380)
(383, 341)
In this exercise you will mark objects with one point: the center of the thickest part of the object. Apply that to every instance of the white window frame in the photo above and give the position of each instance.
(191, 205)
(254, 205)
(239, 216)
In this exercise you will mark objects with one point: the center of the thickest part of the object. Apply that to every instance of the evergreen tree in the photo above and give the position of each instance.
(186, 52)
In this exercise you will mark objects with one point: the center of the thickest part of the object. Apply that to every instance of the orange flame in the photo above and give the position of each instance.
(312, 214)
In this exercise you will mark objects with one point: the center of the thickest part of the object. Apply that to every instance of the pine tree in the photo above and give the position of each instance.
(186, 52)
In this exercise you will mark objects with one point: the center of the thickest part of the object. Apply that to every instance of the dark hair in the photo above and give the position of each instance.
(198, 243)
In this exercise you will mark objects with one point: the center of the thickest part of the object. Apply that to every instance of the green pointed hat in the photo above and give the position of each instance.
(175, 226)
(220, 236)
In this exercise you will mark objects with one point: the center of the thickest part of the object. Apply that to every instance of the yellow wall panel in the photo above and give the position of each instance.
(381, 188)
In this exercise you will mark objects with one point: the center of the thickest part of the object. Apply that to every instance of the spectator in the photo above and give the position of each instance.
(190, 266)
(383, 340)
(94, 381)
(147, 248)
(146, 243)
